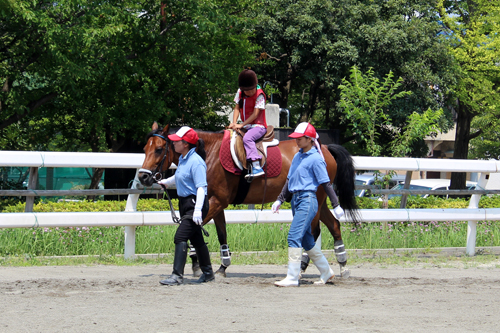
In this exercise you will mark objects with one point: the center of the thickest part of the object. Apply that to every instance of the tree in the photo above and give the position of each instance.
(92, 75)
(104, 71)
(365, 100)
(308, 47)
(473, 29)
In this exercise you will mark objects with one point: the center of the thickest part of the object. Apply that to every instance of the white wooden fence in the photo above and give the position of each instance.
(130, 218)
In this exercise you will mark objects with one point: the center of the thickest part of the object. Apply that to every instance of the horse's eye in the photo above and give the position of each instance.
(158, 150)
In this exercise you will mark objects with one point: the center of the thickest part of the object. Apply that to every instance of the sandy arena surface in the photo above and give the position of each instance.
(130, 299)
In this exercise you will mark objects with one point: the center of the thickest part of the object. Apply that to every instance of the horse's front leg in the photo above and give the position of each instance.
(216, 213)
(333, 226)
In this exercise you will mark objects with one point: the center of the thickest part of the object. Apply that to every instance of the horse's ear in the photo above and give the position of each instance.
(165, 129)
(155, 126)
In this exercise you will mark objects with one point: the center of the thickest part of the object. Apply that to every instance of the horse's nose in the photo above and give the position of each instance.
(144, 177)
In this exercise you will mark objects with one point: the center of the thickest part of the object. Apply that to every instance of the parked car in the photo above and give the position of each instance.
(369, 179)
(430, 184)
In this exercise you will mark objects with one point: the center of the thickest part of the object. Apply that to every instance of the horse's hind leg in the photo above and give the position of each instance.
(316, 231)
(220, 225)
(195, 265)
(333, 225)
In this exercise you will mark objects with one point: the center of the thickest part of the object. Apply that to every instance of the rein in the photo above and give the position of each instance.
(175, 218)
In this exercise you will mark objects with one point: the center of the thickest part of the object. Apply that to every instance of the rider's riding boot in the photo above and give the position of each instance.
(256, 170)
(179, 262)
(326, 273)
(205, 264)
(292, 276)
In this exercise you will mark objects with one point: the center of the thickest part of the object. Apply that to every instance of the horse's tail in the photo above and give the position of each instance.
(345, 181)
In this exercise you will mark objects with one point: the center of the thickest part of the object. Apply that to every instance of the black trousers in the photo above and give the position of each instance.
(188, 230)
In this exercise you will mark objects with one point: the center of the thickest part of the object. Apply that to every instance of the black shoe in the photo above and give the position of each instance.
(180, 256)
(173, 280)
(204, 278)
(205, 265)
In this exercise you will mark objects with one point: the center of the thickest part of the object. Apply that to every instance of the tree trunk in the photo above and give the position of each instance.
(285, 88)
(94, 184)
(461, 148)
(327, 109)
(313, 99)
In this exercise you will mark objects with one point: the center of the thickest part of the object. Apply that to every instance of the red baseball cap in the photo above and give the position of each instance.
(304, 129)
(185, 133)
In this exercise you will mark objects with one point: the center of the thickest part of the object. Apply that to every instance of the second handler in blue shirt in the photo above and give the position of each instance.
(307, 172)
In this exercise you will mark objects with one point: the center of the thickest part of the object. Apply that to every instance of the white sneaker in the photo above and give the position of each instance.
(338, 212)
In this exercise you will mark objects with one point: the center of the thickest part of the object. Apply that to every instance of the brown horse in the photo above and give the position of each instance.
(223, 185)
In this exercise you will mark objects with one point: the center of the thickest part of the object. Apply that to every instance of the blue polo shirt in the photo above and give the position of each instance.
(307, 172)
(191, 173)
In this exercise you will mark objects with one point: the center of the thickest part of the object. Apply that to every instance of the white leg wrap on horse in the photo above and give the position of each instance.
(225, 255)
(192, 251)
(340, 252)
(326, 273)
(292, 276)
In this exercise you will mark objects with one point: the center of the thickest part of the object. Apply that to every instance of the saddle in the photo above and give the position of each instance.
(238, 149)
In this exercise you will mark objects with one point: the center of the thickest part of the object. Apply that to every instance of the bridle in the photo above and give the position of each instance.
(157, 176)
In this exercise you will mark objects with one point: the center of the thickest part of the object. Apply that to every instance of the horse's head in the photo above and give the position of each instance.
(160, 155)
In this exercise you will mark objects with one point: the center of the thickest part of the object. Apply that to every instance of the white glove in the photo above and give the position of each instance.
(276, 206)
(338, 212)
(197, 217)
(168, 182)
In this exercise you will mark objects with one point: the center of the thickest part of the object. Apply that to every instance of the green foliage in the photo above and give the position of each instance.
(487, 144)
(364, 99)
(109, 241)
(91, 75)
(145, 205)
(472, 30)
(308, 47)
(419, 126)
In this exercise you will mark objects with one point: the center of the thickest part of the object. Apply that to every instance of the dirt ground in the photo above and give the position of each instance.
(130, 299)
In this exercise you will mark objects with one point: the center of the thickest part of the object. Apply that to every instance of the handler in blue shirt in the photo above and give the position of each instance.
(307, 172)
(191, 182)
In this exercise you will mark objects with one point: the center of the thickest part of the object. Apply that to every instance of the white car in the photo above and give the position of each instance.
(429, 184)
(369, 179)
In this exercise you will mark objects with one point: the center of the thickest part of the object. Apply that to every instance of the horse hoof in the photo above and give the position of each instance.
(221, 271)
(197, 270)
(345, 272)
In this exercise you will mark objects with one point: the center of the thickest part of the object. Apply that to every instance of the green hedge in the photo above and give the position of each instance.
(162, 205)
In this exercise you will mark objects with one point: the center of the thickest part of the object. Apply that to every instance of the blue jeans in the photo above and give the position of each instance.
(304, 209)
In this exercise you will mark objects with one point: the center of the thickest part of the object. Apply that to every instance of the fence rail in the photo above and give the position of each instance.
(130, 218)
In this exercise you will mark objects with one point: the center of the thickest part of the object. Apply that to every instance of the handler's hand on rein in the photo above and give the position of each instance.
(168, 182)
(276, 206)
(197, 217)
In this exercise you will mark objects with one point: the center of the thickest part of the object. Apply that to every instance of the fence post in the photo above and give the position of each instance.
(32, 181)
(131, 206)
(404, 197)
(472, 225)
